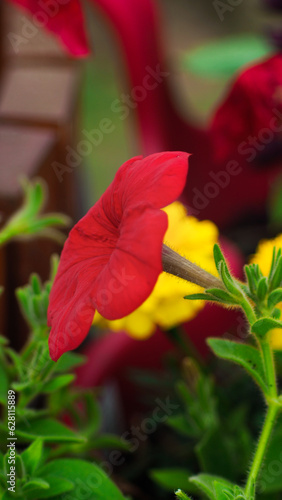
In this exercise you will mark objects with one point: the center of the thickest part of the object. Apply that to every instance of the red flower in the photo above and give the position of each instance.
(245, 152)
(254, 104)
(112, 257)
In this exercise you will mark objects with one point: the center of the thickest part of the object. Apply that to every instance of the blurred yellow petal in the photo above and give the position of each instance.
(276, 339)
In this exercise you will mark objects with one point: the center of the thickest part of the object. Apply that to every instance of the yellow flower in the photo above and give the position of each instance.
(263, 257)
(166, 307)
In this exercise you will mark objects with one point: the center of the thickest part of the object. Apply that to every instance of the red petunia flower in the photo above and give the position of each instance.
(112, 257)
(249, 118)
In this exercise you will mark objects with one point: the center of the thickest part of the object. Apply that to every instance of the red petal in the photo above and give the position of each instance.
(134, 266)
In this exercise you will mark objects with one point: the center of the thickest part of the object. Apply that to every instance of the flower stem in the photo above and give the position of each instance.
(269, 367)
(175, 264)
(273, 408)
(261, 448)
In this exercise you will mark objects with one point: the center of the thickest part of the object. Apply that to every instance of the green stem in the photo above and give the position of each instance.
(271, 399)
(269, 367)
(260, 451)
(248, 310)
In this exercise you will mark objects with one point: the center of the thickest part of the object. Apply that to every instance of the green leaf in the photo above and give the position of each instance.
(57, 486)
(274, 298)
(213, 458)
(228, 281)
(57, 383)
(3, 340)
(68, 361)
(276, 278)
(250, 279)
(218, 256)
(223, 296)
(206, 483)
(36, 284)
(4, 385)
(110, 441)
(32, 456)
(241, 354)
(34, 484)
(172, 478)
(223, 58)
(87, 478)
(48, 430)
(179, 423)
(27, 220)
(93, 413)
(200, 296)
(263, 325)
(262, 288)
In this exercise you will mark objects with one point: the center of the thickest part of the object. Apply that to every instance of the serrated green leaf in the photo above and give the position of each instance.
(242, 354)
(263, 325)
(274, 298)
(83, 475)
(48, 429)
(32, 456)
(57, 383)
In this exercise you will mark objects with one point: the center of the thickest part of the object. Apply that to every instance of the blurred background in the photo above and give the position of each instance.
(159, 75)
(74, 120)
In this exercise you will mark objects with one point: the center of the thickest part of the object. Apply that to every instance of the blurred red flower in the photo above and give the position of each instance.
(112, 257)
(62, 17)
(250, 117)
